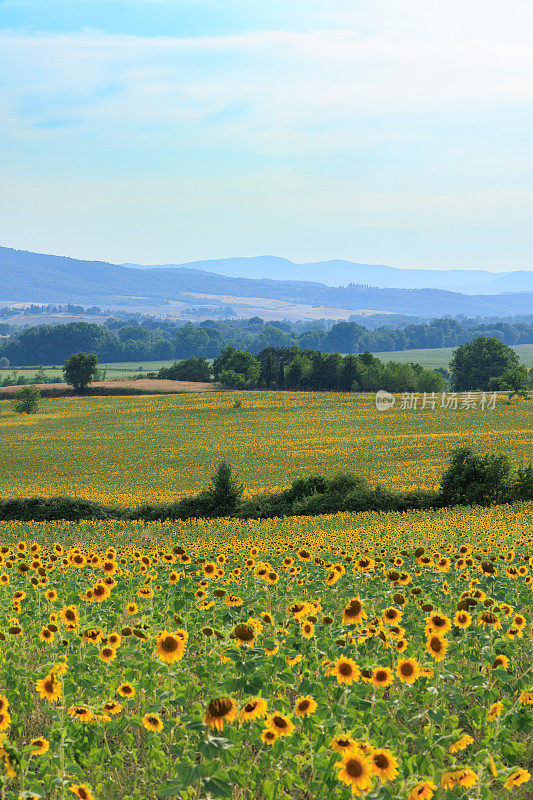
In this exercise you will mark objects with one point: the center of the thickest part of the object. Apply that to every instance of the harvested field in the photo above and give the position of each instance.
(118, 386)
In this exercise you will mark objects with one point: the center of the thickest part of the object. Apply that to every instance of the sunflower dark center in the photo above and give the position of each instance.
(354, 768)
(219, 708)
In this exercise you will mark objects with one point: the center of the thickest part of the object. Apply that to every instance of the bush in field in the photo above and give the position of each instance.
(27, 400)
(80, 369)
(471, 478)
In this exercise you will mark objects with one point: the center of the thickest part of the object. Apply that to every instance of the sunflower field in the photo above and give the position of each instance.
(155, 449)
(373, 655)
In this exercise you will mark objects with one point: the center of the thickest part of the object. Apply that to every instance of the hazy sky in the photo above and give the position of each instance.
(382, 131)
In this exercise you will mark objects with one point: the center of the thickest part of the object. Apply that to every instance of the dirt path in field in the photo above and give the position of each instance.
(118, 386)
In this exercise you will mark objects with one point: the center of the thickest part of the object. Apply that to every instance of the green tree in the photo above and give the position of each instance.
(471, 478)
(80, 369)
(191, 369)
(481, 362)
(236, 362)
(27, 400)
(516, 381)
(224, 492)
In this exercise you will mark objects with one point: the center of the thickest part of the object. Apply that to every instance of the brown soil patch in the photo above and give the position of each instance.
(118, 386)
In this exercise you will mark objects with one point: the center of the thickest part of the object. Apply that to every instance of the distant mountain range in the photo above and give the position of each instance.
(342, 273)
(35, 277)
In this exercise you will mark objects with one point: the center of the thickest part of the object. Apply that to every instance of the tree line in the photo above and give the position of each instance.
(484, 364)
(159, 340)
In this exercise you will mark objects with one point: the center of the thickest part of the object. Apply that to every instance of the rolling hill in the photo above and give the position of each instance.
(339, 273)
(40, 278)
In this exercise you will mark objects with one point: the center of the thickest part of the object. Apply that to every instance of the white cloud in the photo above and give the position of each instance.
(411, 60)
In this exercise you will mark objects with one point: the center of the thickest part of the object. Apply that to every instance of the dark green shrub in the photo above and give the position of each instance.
(475, 479)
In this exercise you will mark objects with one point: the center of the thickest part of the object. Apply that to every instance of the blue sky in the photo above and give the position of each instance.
(170, 130)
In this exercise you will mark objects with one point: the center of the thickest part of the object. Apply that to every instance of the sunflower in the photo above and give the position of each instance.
(69, 617)
(46, 635)
(131, 609)
(392, 615)
(243, 633)
(39, 746)
(517, 778)
(152, 722)
(342, 743)
(269, 736)
(462, 619)
(169, 647)
(407, 670)
(465, 777)
(8, 765)
(126, 690)
(82, 791)
(101, 592)
(292, 660)
(436, 647)
(345, 670)
(460, 744)
(437, 624)
(488, 618)
(307, 629)
(114, 639)
(107, 654)
(424, 790)
(382, 677)
(4, 703)
(81, 713)
(112, 708)
(500, 662)
(385, 765)
(279, 723)
(218, 710)
(526, 698)
(494, 711)
(353, 612)
(5, 720)
(257, 707)
(356, 770)
(49, 687)
(305, 706)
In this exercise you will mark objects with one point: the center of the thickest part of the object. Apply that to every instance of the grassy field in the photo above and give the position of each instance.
(130, 449)
(284, 660)
(440, 356)
(112, 370)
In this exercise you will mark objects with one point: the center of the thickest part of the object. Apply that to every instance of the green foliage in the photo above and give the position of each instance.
(191, 369)
(80, 369)
(476, 479)
(481, 364)
(236, 368)
(516, 382)
(27, 400)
